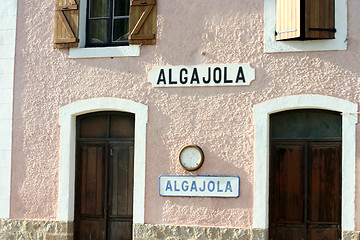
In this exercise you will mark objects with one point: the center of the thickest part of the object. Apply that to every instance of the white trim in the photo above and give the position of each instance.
(339, 43)
(8, 16)
(261, 171)
(98, 52)
(103, 52)
(67, 151)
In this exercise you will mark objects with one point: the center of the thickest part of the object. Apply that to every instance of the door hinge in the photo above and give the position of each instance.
(111, 152)
(286, 31)
(323, 29)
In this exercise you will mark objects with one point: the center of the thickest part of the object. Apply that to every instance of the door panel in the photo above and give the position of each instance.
(324, 192)
(121, 180)
(288, 190)
(323, 234)
(89, 212)
(285, 233)
(121, 190)
(120, 230)
(92, 229)
(92, 181)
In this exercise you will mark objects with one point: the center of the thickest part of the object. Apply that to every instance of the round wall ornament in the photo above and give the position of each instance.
(191, 157)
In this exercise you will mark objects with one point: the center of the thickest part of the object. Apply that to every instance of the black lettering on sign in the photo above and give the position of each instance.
(240, 75)
(217, 71)
(170, 77)
(206, 81)
(195, 77)
(225, 76)
(183, 80)
(161, 77)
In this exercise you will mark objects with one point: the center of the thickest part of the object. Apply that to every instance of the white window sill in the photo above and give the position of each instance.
(105, 52)
(339, 43)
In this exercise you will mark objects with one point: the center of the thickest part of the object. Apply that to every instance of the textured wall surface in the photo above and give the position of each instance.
(167, 232)
(219, 119)
(35, 230)
(54, 230)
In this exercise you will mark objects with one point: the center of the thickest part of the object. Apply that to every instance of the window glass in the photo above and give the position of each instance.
(121, 29)
(98, 30)
(324, 124)
(108, 22)
(121, 7)
(99, 8)
(307, 123)
(93, 127)
(289, 124)
(122, 125)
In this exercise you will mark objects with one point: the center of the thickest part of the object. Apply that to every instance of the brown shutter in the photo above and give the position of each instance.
(142, 22)
(287, 19)
(66, 23)
(320, 19)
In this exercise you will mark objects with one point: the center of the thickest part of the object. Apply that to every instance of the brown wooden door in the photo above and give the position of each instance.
(104, 177)
(305, 191)
(287, 205)
(91, 198)
(324, 193)
(121, 174)
(305, 178)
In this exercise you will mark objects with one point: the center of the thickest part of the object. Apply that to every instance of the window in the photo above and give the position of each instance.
(288, 22)
(305, 19)
(108, 23)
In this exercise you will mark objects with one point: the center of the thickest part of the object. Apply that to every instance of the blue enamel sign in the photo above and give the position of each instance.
(199, 186)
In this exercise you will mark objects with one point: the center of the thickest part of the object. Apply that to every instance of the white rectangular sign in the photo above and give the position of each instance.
(199, 186)
(202, 75)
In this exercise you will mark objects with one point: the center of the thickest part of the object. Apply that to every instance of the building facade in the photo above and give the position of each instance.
(148, 120)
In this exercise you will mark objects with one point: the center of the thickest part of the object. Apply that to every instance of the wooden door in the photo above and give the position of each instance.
(305, 177)
(287, 205)
(324, 193)
(121, 174)
(104, 176)
(90, 213)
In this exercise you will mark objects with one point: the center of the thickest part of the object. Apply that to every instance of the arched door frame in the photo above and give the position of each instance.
(68, 116)
(262, 112)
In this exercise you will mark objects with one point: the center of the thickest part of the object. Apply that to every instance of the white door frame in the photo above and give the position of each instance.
(68, 116)
(262, 112)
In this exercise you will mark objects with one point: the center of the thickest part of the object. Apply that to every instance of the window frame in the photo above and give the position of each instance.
(110, 32)
(98, 52)
(272, 45)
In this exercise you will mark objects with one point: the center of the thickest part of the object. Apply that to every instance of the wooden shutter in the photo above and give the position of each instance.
(287, 19)
(142, 22)
(320, 19)
(66, 23)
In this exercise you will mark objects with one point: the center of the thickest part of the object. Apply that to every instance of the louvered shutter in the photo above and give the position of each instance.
(66, 23)
(142, 22)
(287, 19)
(320, 19)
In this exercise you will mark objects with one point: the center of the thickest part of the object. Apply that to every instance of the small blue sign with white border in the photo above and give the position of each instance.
(199, 186)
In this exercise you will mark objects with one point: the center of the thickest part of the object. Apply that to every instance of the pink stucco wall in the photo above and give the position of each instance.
(219, 119)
